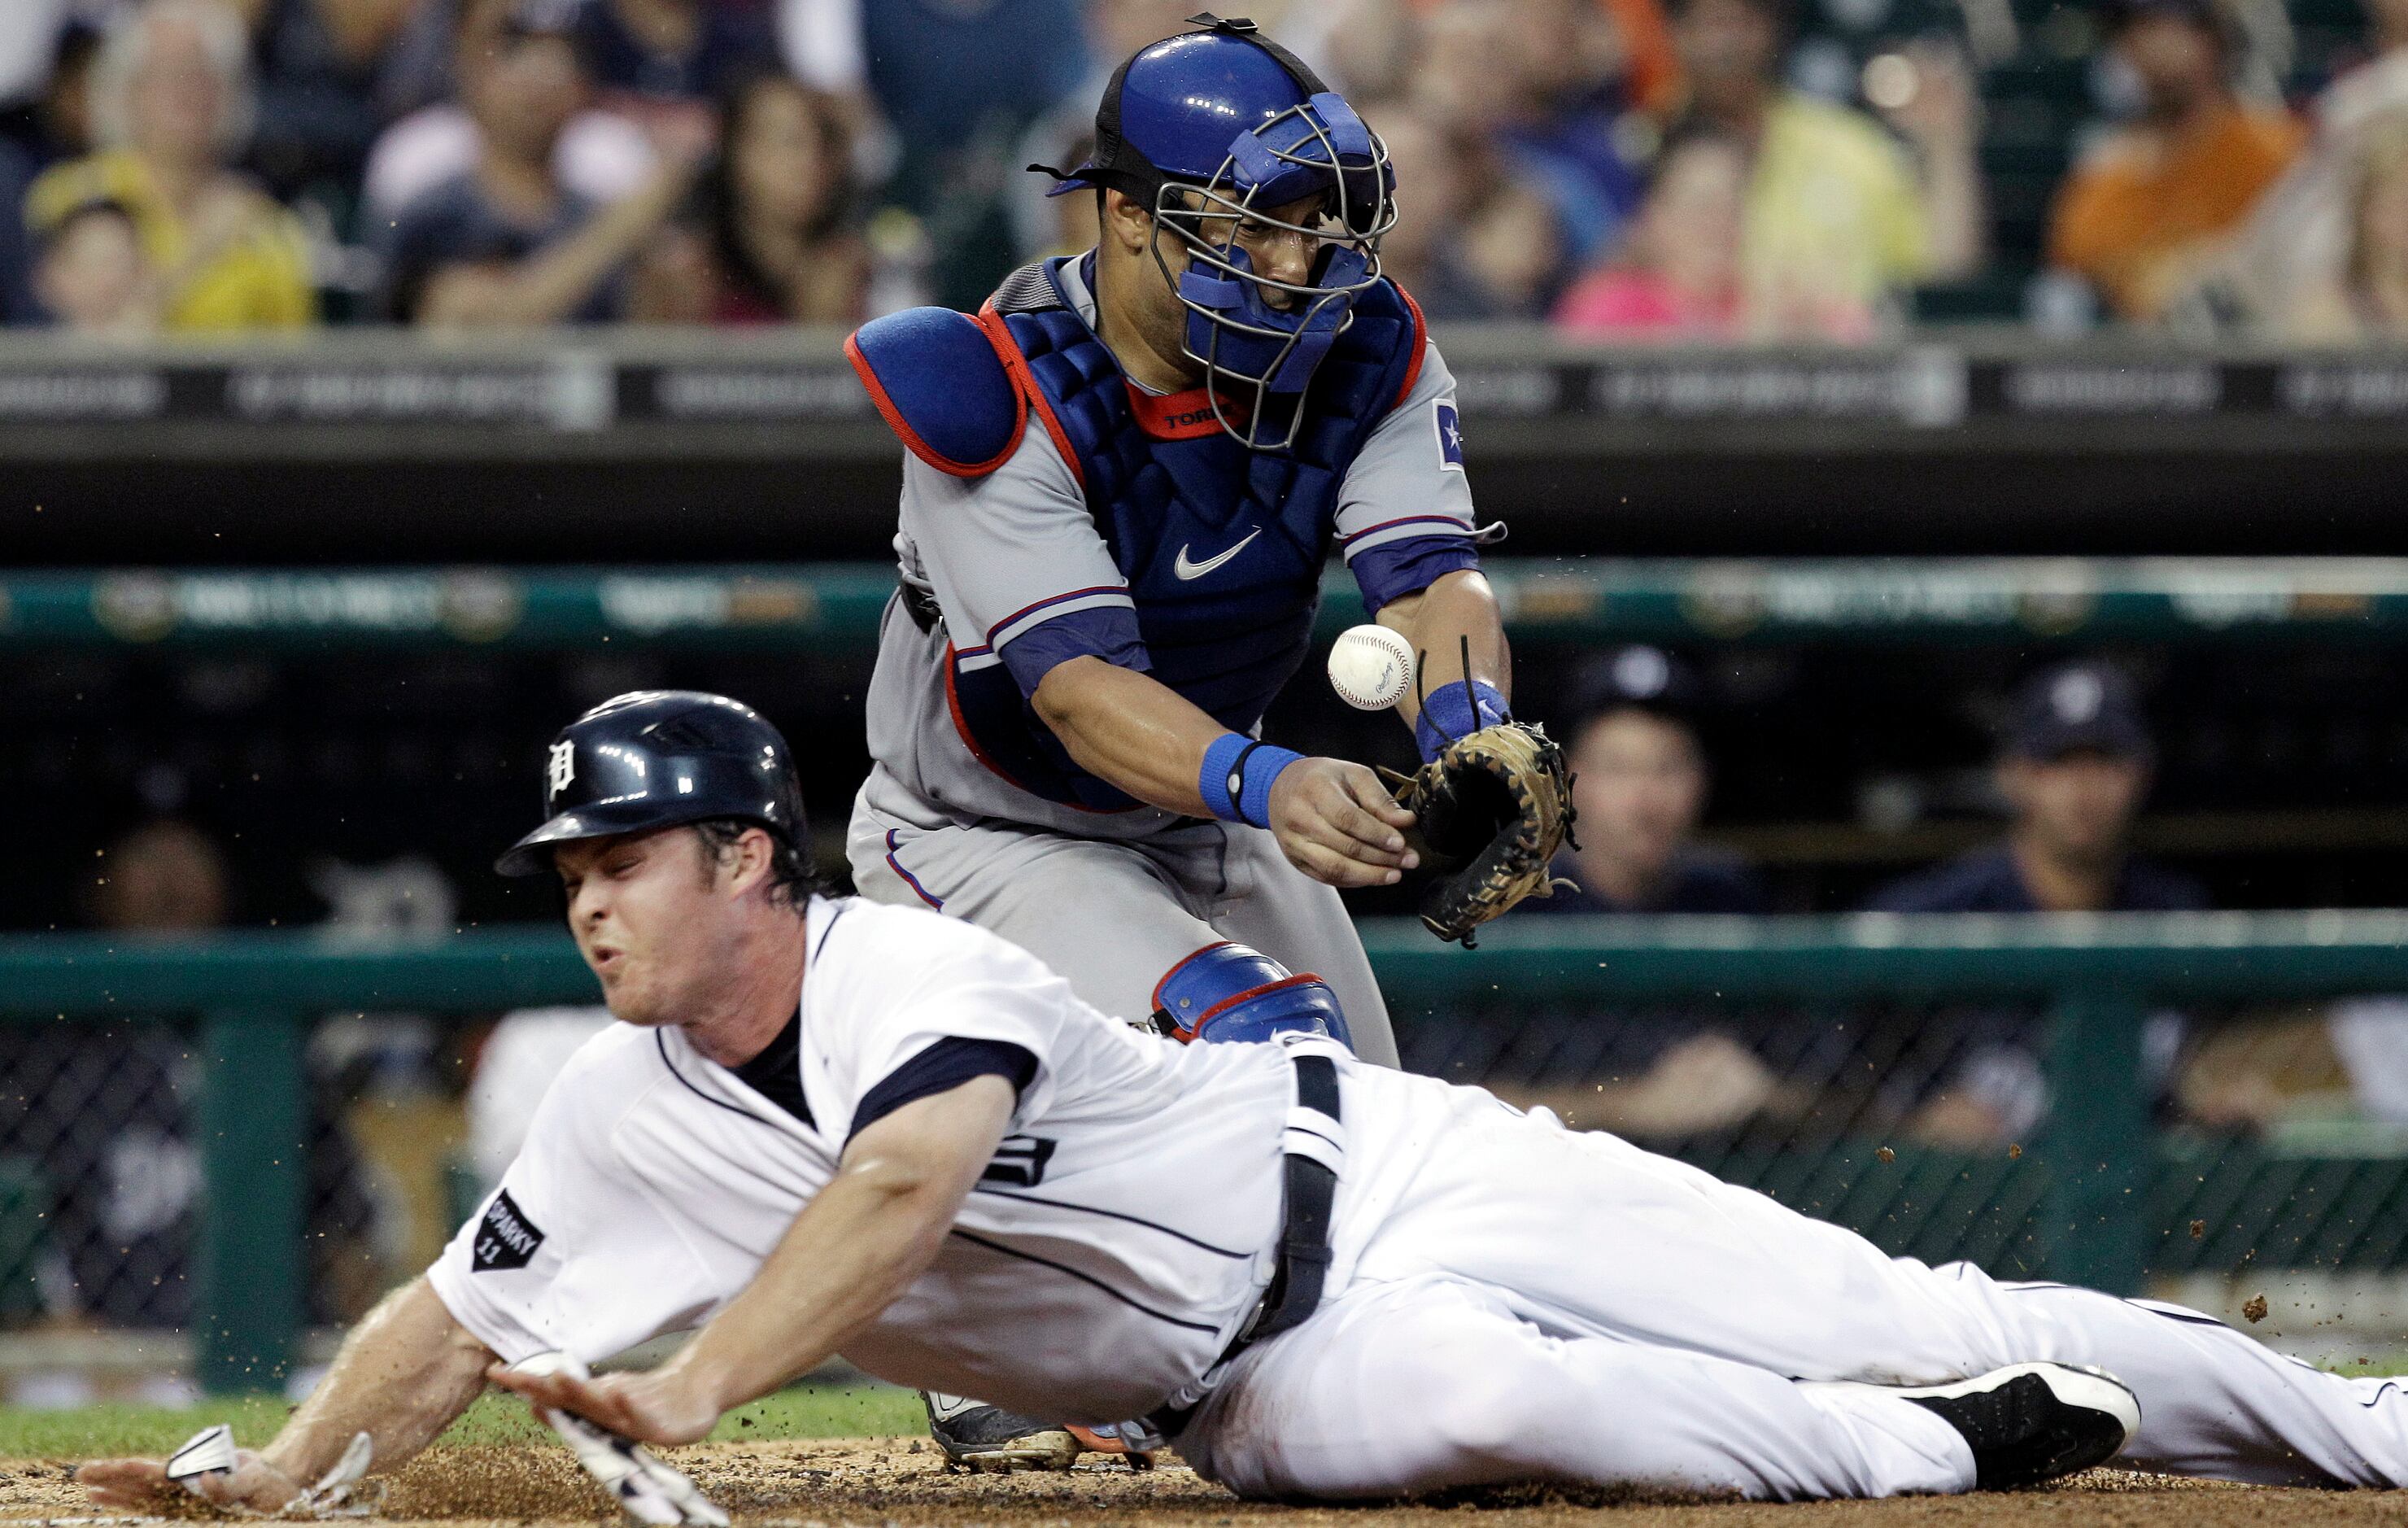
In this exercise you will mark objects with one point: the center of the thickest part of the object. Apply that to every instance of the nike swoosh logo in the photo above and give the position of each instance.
(1188, 570)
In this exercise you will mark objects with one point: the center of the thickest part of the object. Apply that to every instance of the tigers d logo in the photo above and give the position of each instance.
(559, 768)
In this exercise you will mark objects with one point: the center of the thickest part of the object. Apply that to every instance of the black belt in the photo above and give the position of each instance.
(1303, 1259)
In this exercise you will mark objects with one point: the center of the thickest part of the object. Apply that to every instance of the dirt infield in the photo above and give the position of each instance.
(901, 1483)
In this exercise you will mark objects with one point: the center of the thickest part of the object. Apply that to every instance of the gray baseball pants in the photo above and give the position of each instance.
(1114, 917)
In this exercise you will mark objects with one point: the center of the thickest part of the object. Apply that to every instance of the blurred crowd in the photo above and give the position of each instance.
(1699, 169)
(2072, 771)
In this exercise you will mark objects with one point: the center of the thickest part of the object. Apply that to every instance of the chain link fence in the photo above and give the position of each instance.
(2112, 1100)
(2277, 1141)
(104, 1184)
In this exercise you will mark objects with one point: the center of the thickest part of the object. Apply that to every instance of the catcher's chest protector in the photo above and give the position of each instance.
(1173, 495)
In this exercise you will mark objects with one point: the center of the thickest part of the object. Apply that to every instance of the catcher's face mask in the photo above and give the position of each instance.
(1235, 147)
(1258, 337)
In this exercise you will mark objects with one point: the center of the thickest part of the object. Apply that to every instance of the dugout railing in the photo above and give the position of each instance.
(836, 606)
(2094, 1198)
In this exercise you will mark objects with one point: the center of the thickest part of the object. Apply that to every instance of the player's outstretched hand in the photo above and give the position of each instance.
(1339, 825)
(141, 1486)
(128, 1484)
(654, 1407)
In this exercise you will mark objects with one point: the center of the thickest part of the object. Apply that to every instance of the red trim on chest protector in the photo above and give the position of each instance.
(1181, 417)
(1008, 349)
(1421, 346)
(962, 725)
(962, 729)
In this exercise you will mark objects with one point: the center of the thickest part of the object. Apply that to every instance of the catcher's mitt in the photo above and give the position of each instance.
(1489, 814)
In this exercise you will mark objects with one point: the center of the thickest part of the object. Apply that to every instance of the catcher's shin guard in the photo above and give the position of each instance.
(1227, 992)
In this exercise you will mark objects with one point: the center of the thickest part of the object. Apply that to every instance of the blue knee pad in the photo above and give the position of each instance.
(1227, 992)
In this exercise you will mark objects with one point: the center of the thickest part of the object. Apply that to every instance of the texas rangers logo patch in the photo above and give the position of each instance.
(1450, 436)
(507, 1239)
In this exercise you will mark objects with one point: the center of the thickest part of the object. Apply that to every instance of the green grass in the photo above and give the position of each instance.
(805, 1411)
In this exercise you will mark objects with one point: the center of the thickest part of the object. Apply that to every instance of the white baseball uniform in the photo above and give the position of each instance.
(1506, 1300)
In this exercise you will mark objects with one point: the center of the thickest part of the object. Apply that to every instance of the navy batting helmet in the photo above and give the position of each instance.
(1212, 129)
(655, 759)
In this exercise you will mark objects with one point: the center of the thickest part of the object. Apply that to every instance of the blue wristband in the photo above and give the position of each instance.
(1455, 711)
(1236, 777)
(1261, 768)
(1212, 780)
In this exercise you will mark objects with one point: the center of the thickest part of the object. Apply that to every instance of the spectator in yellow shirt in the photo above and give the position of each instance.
(2145, 214)
(171, 100)
(1840, 213)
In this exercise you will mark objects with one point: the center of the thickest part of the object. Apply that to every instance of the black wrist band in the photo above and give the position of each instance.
(1238, 774)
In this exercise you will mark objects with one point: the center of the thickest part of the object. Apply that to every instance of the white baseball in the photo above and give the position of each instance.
(1371, 666)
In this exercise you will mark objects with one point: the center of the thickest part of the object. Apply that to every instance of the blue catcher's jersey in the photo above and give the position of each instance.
(1130, 526)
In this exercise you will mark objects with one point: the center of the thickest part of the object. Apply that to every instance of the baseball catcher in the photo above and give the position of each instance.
(1122, 481)
(831, 1127)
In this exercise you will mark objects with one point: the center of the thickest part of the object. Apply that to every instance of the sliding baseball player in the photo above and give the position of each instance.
(831, 1127)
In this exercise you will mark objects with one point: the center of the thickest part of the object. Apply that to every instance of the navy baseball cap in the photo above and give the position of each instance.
(2079, 708)
(1636, 678)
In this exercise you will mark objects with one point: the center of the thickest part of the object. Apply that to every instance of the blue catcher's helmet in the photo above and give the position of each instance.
(1213, 129)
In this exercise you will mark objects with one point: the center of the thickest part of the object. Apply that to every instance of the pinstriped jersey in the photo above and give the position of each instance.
(1107, 1256)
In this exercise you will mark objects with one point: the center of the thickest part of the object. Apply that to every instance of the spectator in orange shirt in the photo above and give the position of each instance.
(2145, 212)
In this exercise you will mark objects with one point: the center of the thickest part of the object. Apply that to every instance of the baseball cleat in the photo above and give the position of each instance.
(974, 1435)
(2032, 1423)
(1107, 1439)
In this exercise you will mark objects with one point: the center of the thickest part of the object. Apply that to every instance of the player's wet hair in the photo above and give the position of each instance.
(791, 879)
